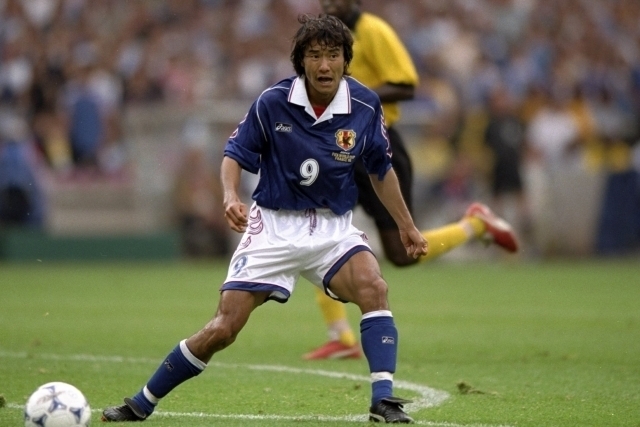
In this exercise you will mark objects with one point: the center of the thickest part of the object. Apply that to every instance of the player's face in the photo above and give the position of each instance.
(323, 69)
(338, 8)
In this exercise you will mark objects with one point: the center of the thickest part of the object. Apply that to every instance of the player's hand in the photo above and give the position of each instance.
(414, 242)
(235, 213)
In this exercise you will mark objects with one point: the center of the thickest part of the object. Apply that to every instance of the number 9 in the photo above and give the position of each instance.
(309, 169)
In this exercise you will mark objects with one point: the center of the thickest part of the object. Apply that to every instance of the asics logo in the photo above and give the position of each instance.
(388, 340)
(284, 127)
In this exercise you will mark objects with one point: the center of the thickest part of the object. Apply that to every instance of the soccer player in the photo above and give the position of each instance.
(381, 62)
(304, 136)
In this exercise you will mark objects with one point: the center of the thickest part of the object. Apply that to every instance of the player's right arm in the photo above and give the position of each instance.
(234, 210)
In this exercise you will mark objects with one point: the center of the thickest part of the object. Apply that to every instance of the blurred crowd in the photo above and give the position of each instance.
(552, 83)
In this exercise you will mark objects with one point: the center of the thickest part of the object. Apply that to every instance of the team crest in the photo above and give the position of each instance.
(346, 139)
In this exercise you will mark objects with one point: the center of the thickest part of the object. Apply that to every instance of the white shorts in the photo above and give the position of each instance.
(280, 246)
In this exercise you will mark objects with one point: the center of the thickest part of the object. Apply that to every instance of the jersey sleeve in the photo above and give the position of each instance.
(245, 145)
(376, 156)
(385, 52)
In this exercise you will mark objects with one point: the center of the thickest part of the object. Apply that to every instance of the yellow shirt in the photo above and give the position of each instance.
(380, 57)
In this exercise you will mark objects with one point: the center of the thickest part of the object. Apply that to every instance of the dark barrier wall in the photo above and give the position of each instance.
(29, 245)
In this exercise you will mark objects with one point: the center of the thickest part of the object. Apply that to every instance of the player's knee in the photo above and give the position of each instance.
(372, 295)
(218, 336)
(379, 287)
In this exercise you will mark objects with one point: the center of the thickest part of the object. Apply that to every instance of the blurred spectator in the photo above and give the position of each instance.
(553, 136)
(505, 137)
(86, 122)
(47, 118)
(615, 128)
(21, 198)
(554, 157)
(198, 196)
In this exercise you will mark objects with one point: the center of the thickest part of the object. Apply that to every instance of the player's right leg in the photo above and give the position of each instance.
(190, 357)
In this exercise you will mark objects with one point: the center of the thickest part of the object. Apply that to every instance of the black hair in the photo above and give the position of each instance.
(326, 30)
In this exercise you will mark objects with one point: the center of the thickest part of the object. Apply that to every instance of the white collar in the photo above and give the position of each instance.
(340, 104)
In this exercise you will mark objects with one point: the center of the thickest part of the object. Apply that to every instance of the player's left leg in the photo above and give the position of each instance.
(360, 281)
(342, 343)
(190, 357)
(479, 222)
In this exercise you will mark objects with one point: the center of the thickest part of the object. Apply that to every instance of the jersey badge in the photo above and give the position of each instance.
(346, 139)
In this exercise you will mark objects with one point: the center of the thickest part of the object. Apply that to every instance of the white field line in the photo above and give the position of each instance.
(429, 397)
(349, 418)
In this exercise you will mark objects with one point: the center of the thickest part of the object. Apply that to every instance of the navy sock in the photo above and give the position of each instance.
(144, 403)
(179, 366)
(380, 345)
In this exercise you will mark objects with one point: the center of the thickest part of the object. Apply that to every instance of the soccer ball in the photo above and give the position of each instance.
(57, 404)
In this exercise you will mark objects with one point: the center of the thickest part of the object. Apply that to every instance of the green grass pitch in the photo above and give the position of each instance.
(481, 344)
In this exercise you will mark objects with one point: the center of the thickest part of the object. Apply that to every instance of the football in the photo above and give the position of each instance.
(57, 404)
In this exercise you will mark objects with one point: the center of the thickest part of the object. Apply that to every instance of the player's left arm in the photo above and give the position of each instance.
(389, 58)
(395, 92)
(388, 191)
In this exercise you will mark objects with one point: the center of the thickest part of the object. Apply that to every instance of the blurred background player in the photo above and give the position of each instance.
(381, 62)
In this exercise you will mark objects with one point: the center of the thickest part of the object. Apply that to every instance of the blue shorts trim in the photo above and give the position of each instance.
(342, 261)
(277, 293)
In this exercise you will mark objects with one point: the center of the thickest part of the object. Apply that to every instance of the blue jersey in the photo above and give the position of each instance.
(306, 161)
